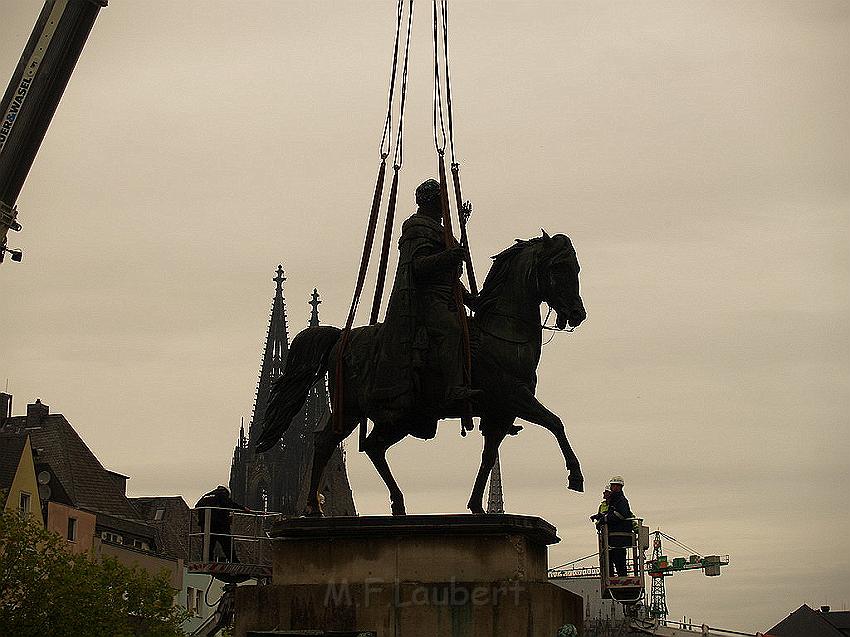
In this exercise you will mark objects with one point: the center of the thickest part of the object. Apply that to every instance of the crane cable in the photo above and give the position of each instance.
(386, 139)
(581, 559)
(692, 550)
(463, 212)
(398, 158)
(441, 139)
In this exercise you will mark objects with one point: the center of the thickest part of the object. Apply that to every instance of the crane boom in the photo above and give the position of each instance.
(32, 96)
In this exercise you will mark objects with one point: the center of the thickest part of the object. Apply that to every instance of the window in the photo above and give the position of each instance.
(159, 514)
(26, 502)
(72, 529)
(194, 600)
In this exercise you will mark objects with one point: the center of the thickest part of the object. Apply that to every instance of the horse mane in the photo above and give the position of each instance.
(498, 274)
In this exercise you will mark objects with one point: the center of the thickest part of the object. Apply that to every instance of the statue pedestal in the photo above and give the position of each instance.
(409, 576)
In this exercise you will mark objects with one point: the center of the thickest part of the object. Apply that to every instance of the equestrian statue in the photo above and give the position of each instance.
(407, 373)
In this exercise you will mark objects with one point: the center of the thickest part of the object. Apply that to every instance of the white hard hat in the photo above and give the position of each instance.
(617, 480)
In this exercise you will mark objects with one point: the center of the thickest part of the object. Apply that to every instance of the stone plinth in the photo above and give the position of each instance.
(410, 576)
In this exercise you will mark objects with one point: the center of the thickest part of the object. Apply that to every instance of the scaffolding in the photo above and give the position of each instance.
(233, 552)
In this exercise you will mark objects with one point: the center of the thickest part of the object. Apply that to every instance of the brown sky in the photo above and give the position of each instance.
(696, 153)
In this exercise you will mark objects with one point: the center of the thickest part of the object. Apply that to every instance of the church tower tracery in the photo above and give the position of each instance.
(495, 499)
(277, 480)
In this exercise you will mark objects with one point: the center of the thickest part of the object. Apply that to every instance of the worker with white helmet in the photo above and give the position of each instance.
(617, 519)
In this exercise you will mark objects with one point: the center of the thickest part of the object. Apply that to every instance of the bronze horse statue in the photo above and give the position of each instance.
(507, 334)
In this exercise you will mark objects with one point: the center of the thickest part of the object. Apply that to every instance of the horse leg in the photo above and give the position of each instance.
(493, 437)
(382, 438)
(530, 409)
(325, 443)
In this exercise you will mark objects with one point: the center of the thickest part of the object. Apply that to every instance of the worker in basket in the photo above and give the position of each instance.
(617, 518)
(222, 506)
(603, 508)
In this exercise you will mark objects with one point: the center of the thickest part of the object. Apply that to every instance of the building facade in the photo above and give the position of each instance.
(74, 496)
(172, 519)
(18, 481)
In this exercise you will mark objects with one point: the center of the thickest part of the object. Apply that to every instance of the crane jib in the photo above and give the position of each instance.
(12, 112)
(31, 68)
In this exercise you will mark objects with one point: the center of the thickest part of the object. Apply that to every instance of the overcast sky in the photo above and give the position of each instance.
(696, 152)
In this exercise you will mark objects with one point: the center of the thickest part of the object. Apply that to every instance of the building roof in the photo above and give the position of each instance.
(88, 484)
(11, 448)
(812, 623)
(171, 517)
(840, 619)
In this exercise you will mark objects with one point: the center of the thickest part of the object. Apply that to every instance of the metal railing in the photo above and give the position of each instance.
(576, 571)
(705, 629)
(628, 588)
(234, 542)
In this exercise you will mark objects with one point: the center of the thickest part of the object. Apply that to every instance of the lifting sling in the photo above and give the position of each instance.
(371, 228)
(440, 141)
(386, 141)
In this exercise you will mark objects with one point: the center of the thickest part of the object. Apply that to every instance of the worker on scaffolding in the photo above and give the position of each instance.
(220, 506)
(617, 520)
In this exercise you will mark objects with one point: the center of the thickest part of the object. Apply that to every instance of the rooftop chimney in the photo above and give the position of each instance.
(119, 479)
(5, 406)
(36, 412)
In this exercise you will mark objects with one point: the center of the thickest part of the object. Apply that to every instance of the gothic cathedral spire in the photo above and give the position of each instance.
(277, 479)
(274, 356)
(314, 315)
(495, 500)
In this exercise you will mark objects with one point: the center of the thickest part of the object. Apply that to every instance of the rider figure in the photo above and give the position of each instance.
(422, 325)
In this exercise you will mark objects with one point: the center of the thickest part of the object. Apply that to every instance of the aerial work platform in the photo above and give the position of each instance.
(234, 551)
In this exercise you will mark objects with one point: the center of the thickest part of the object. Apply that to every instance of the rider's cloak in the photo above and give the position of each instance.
(402, 356)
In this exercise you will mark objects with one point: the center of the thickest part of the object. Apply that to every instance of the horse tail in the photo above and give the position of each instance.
(306, 363)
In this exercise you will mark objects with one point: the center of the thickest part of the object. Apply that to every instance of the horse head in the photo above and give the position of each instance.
(558, 271)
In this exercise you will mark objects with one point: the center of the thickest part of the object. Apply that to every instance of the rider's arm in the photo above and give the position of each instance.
(426, 267)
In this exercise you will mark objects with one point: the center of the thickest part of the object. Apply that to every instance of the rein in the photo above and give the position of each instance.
(539, 292)
(555, 329)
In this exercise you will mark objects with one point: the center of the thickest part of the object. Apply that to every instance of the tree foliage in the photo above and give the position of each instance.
(47, 591)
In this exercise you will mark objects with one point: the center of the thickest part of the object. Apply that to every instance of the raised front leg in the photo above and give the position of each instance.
(530, 409)
(493, 437)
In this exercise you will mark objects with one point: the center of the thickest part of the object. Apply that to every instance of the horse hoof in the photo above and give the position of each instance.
(576, 484)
